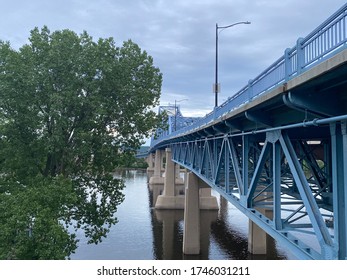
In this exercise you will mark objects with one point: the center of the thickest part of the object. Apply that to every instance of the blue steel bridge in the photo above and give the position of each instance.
(277, 149)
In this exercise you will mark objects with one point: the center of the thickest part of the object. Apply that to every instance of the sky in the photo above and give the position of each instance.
(180, 36)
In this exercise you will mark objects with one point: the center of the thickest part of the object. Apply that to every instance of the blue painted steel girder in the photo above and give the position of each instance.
(279, 180)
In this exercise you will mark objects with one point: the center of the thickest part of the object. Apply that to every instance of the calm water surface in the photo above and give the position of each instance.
(144, 233)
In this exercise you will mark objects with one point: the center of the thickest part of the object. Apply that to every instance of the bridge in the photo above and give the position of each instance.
(276, 150)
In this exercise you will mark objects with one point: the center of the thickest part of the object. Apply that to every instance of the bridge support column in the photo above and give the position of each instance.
(157, 178)
(257, 238)
(169, 199)
(156, 182)
(150, 168)
(191, 233)
(178, 180)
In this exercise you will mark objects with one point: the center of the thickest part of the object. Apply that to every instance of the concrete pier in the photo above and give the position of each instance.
(257, 237)
(156, 182)
(170, 199)
(172, 196)
(157, 172)
(150, 168)
(191, 234)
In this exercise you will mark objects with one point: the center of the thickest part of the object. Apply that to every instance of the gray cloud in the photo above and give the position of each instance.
(180, 35)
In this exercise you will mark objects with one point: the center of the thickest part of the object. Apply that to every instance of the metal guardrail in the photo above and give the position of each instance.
(325, 41)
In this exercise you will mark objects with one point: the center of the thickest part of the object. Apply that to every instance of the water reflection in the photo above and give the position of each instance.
(146, 233)
(168, 235)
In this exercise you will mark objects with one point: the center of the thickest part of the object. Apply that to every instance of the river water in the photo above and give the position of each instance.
(144, 233)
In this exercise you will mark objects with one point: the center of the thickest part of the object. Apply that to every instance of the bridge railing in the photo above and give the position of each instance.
(322, 43)
(325, 39)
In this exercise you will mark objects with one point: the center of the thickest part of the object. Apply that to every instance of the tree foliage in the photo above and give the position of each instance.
(70, 110)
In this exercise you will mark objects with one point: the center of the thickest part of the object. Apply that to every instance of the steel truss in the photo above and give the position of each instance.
(294, 188)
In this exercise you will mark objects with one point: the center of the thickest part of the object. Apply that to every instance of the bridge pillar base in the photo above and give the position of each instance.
(191, 233)
(156, 182)
(178, 202)
(207, 201)
(150, 173)
(157, 189)
(170, 202)
(169, 199)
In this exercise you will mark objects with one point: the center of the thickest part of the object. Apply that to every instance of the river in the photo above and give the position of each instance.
(144, 233)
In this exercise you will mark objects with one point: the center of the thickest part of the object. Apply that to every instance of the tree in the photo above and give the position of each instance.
(70, 109)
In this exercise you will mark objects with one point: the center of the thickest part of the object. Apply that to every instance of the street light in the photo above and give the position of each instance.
(177, 101)
(216, 85)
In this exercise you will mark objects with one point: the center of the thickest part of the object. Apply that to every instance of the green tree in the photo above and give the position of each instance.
(70, 110)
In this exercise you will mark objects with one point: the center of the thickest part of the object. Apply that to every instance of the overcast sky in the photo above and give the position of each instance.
(180, 36)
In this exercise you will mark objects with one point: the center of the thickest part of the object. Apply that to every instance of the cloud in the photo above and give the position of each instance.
(180, 35)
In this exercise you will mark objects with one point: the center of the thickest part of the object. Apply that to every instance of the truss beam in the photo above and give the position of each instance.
(282, 175)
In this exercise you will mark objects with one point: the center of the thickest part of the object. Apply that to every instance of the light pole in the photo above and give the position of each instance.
(216, 85)
(177, 101)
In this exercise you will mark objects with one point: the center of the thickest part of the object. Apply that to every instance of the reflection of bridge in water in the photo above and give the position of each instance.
(276, 150)
(168, 235)
(235, 243)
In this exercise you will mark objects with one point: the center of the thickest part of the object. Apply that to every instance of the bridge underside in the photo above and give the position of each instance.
(286, 154)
